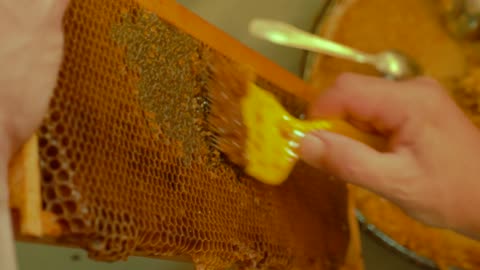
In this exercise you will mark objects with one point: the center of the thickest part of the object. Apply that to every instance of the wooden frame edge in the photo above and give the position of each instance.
(24, 184)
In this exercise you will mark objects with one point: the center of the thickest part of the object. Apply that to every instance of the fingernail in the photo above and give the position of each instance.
(312, 149)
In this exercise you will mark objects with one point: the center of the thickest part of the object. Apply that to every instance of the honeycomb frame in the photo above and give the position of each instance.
(128, 167)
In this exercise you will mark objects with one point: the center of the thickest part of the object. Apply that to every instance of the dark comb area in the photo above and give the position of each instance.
(129, 168)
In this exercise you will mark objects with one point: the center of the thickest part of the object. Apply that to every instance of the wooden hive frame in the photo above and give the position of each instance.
(32, 224)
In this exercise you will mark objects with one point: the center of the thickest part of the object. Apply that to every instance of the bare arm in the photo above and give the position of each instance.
(31, 49)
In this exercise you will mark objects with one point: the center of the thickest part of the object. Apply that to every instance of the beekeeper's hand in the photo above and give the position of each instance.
(432, 170)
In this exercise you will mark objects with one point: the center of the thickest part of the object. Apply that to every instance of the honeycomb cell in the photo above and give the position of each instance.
(57, 209)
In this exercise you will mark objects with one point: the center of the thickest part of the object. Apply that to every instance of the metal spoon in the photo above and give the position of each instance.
(391, 63)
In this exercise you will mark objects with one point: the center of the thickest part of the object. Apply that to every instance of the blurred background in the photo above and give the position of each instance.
(232, 16)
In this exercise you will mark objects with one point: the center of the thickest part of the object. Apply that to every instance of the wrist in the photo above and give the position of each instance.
(464, 216)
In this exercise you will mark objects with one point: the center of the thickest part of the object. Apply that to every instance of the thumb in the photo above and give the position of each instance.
(347, 159)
